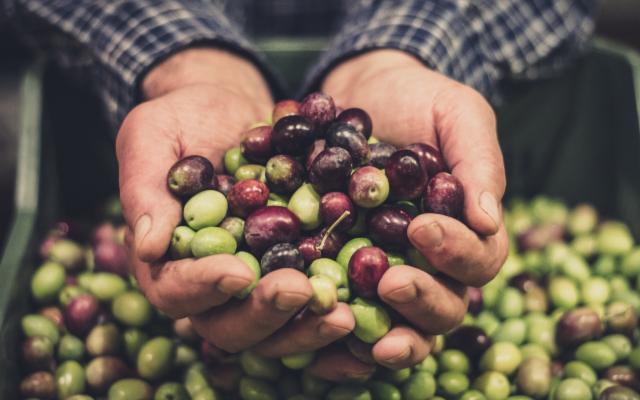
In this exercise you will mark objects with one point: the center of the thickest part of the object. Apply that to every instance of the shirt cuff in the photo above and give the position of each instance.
(437, 33)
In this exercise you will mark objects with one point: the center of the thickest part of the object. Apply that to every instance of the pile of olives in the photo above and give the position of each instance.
(315, 191)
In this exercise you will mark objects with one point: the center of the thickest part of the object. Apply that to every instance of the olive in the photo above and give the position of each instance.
(104, 340)
(156, 358)
(171, 391)
(70, 379)
(534, 377)
(127, 389)
(39, 385)
(102, 372)
(47, 282)
(372, 320)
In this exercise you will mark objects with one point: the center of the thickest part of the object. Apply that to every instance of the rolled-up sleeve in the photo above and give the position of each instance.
(478, 42)
(116, 42)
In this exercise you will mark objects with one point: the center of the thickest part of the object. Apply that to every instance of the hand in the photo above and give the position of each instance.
(199, 102)
(409, 103)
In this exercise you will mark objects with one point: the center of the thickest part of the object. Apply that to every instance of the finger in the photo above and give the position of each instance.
(145, 153)
(239, 325)
(433, 304)
(466, 127)
(191, 286)
(402, 347)
(455, 250)
(309, 332)
(336, 364)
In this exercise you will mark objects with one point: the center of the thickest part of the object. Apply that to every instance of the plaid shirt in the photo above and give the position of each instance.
(478, 42)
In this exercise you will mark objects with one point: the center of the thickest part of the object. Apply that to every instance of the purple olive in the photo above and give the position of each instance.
(39, 385)
(284, 174)
(293, 135)
(333, 205)
(523, 281)
(539, 236)
(111, 256)
(103, 371)
(346, 136)
(247, 196)
(366, 267)
(256, 145)
(380, 153)
(270, 225)
(38, 353)
(319, 108)
(430, 159)
(189, 176)
(388, 226)
(225, 183)
(368, 187)
(330, 170)
(578, 326)
(81, 314)
(314, 150)
(359, 119)
(444, 195)
(281, 255)
(285, 108)
(475, 300)
(471, 340)
(623, 375)
(407, 178)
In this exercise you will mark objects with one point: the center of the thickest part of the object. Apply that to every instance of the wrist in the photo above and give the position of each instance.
(366, 66)
(205, 65)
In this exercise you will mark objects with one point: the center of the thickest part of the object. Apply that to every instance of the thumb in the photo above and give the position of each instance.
(145, 155)
(467, 132)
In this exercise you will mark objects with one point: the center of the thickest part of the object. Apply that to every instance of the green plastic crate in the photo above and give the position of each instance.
(531, 126)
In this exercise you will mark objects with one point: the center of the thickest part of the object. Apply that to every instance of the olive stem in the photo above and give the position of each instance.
(331, 228)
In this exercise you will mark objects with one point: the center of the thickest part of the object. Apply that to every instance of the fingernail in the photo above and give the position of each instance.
(288, 301)
(429, 236)
(232, 284)
(489, 205)
(403, 295)
(143, 225)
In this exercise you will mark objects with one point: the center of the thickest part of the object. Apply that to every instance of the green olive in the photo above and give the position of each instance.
(257, 389)
(251, 171)
(106, 286)
(181, 242)
(325, 295)
(396, 259)
(504, 357)
(614, 238)
(596, 354)
(534, 377)
(510, 303)
(421, 385)
(620, 344)
(453, 383)
(171, 391)
(353, 245)
(233, 159)
(134, 339)
(132, 309)
(156, 358)
(212, 240)
(298, 361)
(472, 395)
(580, 370)
(572, 389)
(70, 379)
(595, 290)
(205, 209)
(67, 253)
(235, 226)
(103, 340)
(38, 325)
(454, 360)
(372, 320)
(195, 378)
(397, 375)
(128, 389)
(254, 265)
(305, 204)
(260, 367)
(494, 385)
(429, 364)
(330, 269)
(206, 394)
(383, 391)
(185, 356)
(70, 348)
(349, 391)
(513, 330)
(68, 293)
(47, 282)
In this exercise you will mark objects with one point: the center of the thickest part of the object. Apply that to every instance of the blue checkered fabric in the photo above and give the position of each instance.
(112, 43)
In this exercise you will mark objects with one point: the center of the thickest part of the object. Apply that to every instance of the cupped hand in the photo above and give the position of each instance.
(410, 103)
(199, 102)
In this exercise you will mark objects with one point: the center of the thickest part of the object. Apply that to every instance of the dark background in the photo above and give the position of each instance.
(73, 112)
